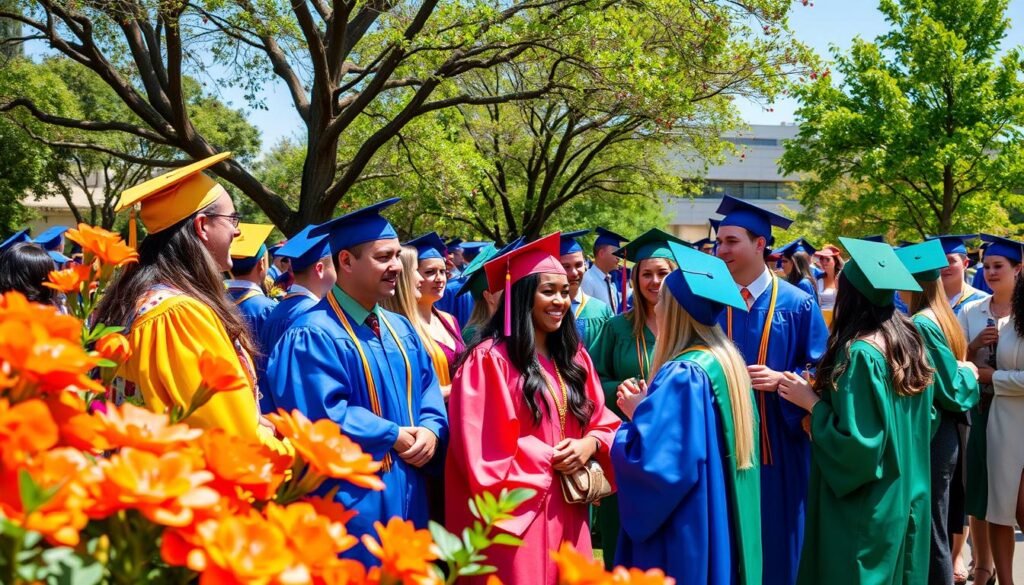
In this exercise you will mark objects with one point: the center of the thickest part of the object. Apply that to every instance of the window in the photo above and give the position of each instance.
(747, 189)
(753, 141)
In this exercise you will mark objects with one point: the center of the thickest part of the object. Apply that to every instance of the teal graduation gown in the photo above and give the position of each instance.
(797, 338)
(590, 315)
(316, 368)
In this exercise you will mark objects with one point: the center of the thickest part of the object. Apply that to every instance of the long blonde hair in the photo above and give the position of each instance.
(933, 296)
(404, 302)
(641, 308)
(677, 331)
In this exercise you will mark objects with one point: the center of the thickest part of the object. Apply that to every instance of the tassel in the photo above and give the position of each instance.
(133, 235)
(508, 301)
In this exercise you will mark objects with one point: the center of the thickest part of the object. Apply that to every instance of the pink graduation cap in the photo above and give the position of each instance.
(537, 257)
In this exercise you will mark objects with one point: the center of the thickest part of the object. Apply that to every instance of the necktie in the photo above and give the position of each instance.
(373, 323)
(611, 291)
(747, 297)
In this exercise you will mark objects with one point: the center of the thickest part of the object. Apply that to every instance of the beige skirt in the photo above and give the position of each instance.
(1005, 435)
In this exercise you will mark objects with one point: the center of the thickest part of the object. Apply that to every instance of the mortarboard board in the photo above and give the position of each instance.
(475, 277)
(925, 260)
(428, 246)
(304, 250)
(358, 227)
(17, 238)
(1005, 247)
(568, 243)
(876, 271)
(797, 245)
(874, 238)
(471, 249)
(454, 244)
(174, 196)
(702, 284)
(537, 257)
(51, 239)
(273, 249)
(608, 238)
(954, 243)
(758, 221)
(703, 243)
(651, 244)
(715, 224)
(57, 257)
(248, 247)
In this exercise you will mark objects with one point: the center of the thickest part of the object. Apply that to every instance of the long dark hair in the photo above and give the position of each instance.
(24, 267)
(563, 345)
(1017, 306)
(856, 317)
(174, 257)
(802, 271)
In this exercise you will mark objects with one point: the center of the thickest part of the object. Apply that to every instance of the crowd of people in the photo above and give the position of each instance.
(730, 411)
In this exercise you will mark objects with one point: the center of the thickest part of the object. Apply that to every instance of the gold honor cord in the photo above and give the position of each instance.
(246, 296)
(641, 357)
(583, 303)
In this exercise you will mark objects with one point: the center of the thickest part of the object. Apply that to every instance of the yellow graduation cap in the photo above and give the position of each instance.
(249, 242)
(173, 196)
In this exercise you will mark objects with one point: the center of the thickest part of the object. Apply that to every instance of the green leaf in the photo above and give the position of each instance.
(517, 497)
(446, 542)
(507, 539)
(474, 569)
(32, 495)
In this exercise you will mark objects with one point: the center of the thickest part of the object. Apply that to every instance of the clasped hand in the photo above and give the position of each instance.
(631, 393)
(572, 454)
(797, 390)
(416, 445)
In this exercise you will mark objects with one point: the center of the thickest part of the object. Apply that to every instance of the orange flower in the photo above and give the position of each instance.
(107, 246)
(167, 489)
(242, 464)
(327, 451)
(577, 569)
(114, 347)
(347, 572)
(69, 280)
(313, 538)
(130, 426)
(27, 428)
(405, 553)
(623, 576)
(15, 308)
(61, 517)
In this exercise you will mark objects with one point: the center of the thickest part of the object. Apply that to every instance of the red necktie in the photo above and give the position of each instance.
(747, 297)
(373, 323)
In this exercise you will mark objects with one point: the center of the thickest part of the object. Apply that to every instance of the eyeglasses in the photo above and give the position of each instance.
(234, 218)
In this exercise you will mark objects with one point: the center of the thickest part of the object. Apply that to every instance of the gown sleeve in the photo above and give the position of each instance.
(956, 388)
(849, 431)
(604, 358)
(603, 422)
(813, 333)
(659, 455)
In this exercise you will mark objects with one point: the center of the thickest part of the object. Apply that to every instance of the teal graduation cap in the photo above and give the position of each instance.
(429, 245)
(876, 271)
(1005, 247)
(651, 244)
(358, 227)
(702, 284)
(925, 260)
(476, 279)
(569, 244)
(305, 249)
(758, 221)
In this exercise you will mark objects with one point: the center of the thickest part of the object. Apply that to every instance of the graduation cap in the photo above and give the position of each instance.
(568, 243)
(428, 246)
(874, 238)
(454, 244)
(304, 249)
(537, 257)
(358, 227)
(273, 249)
(52, 238)
(174, 196)
(471, 249)
(702, 284)
(608, 238)
(876, 271)
(248, 247)
(715, 224)
(925, 260)
(703, 243)
(1005, 247)
(475, 279)
(17, 238)
(651, 244)
(58, 258)
(758, 221)
(954, 243)
(797, 245)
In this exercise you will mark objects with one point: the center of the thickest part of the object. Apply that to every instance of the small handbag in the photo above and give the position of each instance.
(586, 485)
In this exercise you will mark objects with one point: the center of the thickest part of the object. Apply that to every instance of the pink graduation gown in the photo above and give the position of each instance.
(494, 444)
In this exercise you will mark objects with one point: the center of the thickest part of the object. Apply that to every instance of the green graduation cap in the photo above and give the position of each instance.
(875, 270)
(651, 244)
(474, 275)
(702, 284)
(925, 260)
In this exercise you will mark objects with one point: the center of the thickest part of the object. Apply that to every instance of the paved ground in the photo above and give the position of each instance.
(1018, 561)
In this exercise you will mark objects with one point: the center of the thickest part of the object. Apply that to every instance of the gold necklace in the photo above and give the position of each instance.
(563, 406)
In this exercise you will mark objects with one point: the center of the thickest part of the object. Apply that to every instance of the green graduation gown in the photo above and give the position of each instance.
(591, 316)
(868, 501)
(616, 358)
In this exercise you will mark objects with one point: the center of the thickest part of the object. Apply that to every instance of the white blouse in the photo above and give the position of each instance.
(826, 296)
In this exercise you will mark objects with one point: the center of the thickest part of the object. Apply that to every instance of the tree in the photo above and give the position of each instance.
(357, 72)
(926, 121)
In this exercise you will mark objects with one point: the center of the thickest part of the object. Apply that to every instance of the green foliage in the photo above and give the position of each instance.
(923, 134)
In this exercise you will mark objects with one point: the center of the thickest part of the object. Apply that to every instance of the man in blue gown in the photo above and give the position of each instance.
(249, 266)
(793, 340)
(363, 367)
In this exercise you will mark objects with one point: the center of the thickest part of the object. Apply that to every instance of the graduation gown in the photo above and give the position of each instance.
(617, 356)
(316, 368)
(590, 315)
(451, 302)
(496, 445)
(808, 287)
(868, 504)
(255, 308)
(281, 318)
(797, 336)
(686, 508)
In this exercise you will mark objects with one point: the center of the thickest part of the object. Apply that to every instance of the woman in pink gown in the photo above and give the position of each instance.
(527, 405)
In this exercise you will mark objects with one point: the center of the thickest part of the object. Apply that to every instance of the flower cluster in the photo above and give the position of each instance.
(578, 569)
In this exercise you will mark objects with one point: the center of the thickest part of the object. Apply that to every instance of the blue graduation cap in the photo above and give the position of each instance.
(955, 243)
(703, 243)
(758, 221)
(1005, 247)
(471, 249)
(454, 244)
(57, 257)
(17, 238)
(797, 245)
(702, 284)
(272, 250)
(428, 246)
(304, 249)
(358, 227)
(569, 245)
(715, 224)
(52, 238)
(476, 278)
(608, 238)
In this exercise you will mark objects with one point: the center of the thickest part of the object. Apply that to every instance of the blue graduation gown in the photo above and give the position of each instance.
(316, 369)
(808, 287)
(256, 309)
(281, 318)
(797, 338)
(459, 306)
(978, 281)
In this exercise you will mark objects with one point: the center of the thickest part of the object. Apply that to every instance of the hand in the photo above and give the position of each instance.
(405, 439)
(988, 336)
(630, 395)
(798, 391)
(572, 454)
(985, 375)
(764, 379)
(970, 366)
(805, 424)
(422, 449)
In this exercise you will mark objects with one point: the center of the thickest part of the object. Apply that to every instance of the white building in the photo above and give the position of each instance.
(752, 173)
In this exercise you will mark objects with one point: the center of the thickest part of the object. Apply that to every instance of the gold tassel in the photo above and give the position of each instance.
(133, 232)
